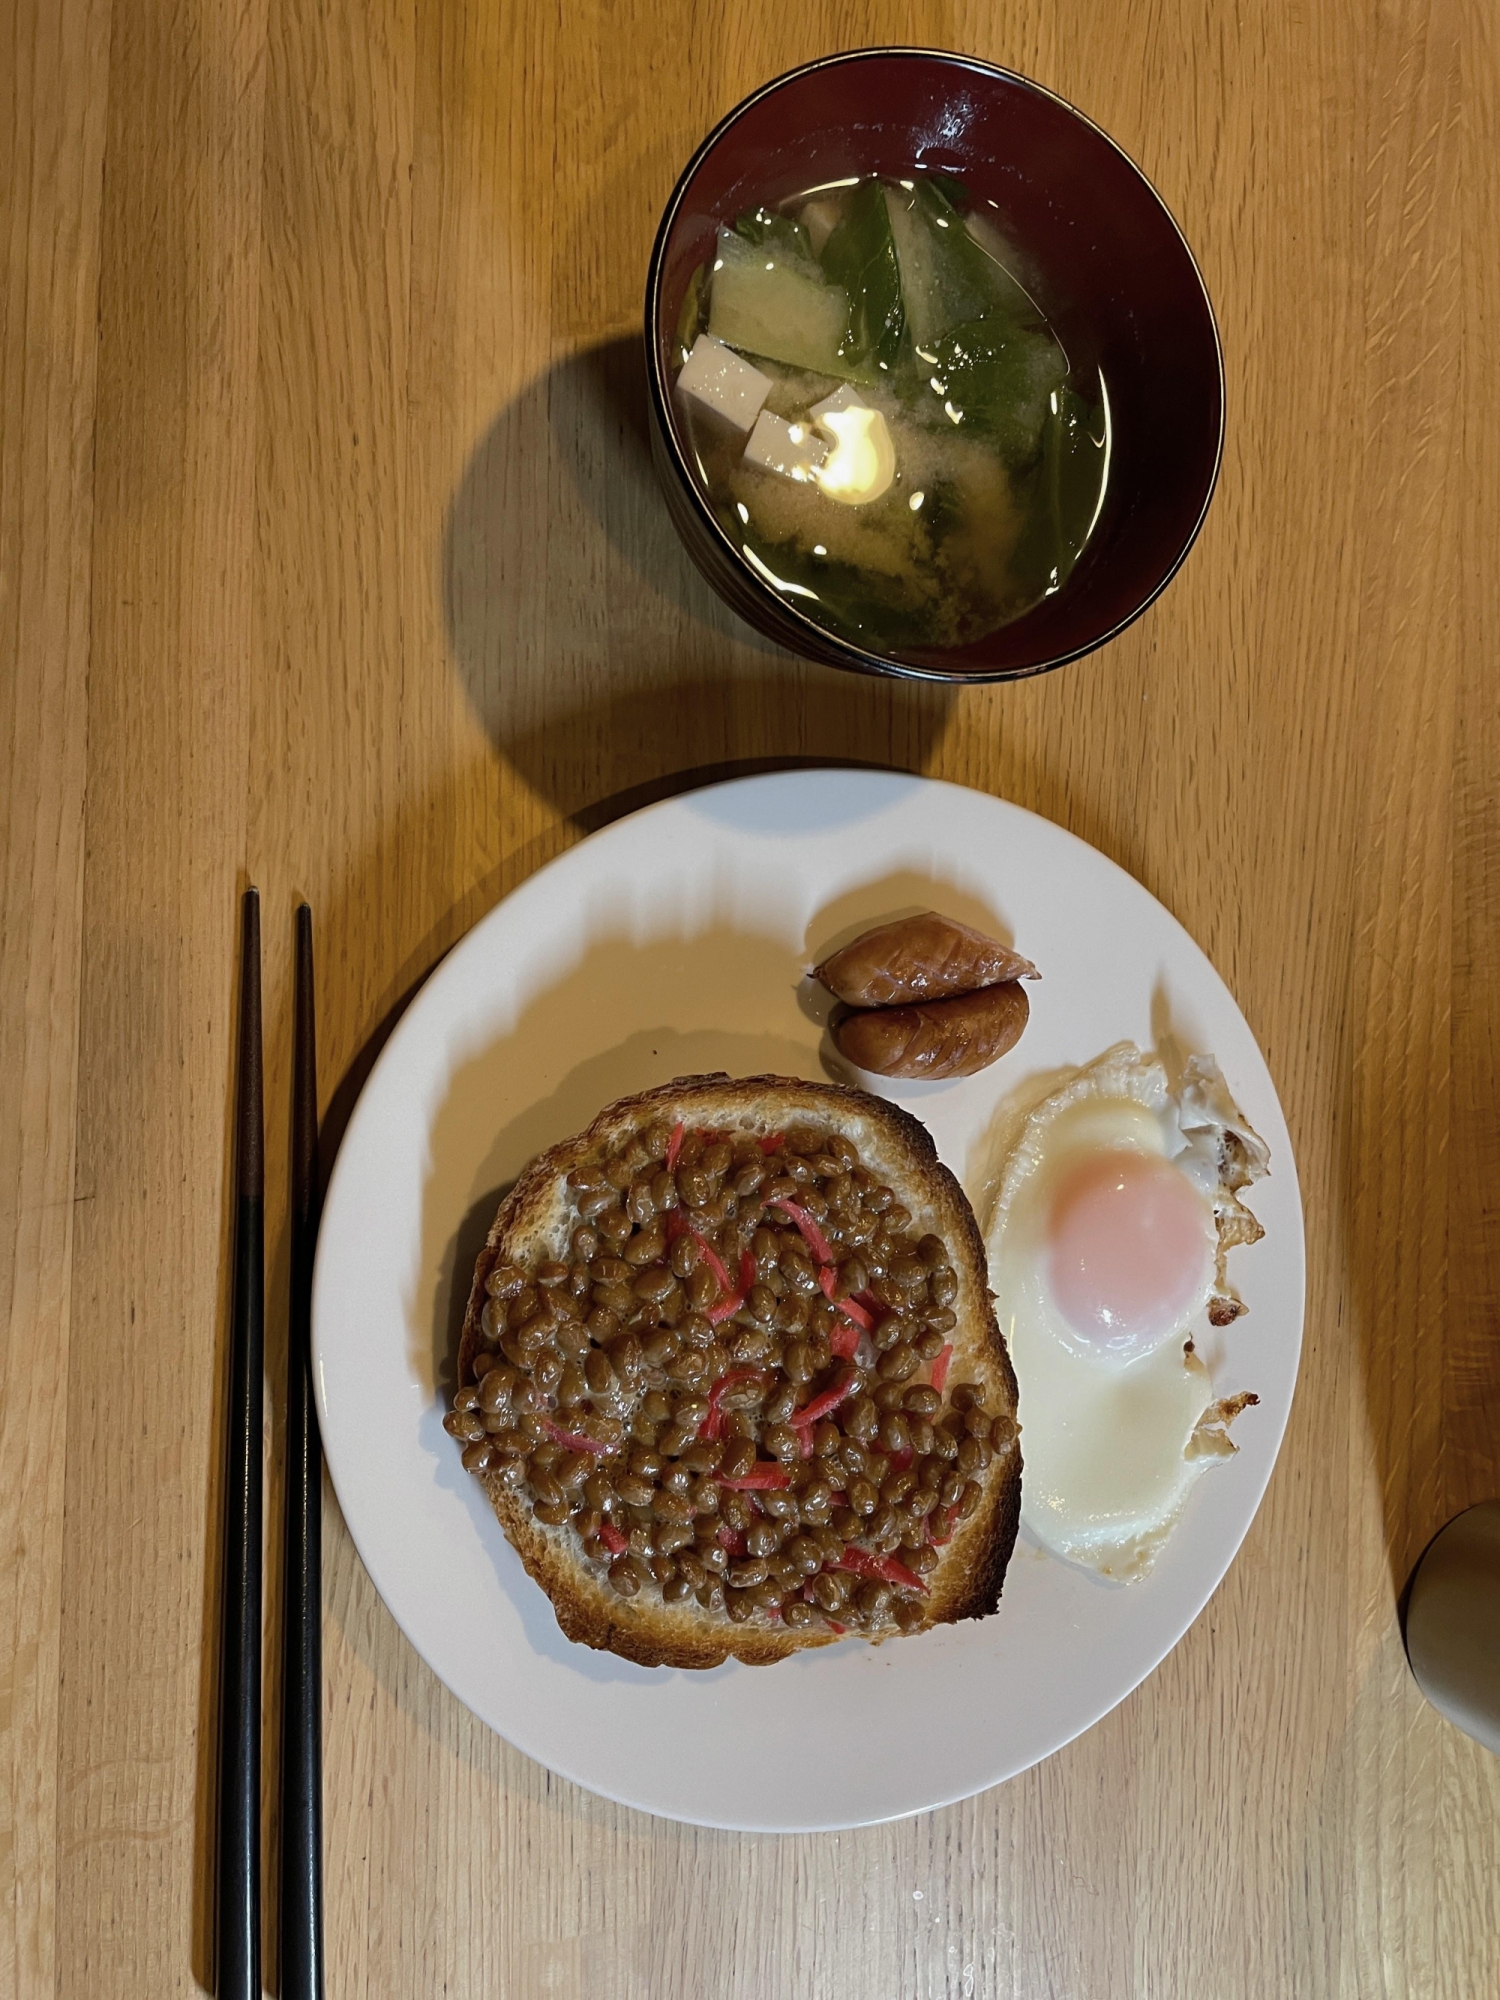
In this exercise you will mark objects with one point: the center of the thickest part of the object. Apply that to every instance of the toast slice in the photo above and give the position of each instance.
(728, 1315)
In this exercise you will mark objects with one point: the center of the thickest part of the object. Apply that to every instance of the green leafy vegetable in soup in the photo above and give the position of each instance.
(882, 416)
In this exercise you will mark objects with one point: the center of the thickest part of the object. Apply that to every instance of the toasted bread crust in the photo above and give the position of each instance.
(536, 1218)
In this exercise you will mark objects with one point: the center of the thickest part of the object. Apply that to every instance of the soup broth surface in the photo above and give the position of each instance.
(882, 416)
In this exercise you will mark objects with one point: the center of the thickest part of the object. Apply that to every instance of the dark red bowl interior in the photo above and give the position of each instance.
(1119, 282)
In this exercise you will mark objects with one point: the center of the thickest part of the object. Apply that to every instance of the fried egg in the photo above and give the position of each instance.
(1107, 1248)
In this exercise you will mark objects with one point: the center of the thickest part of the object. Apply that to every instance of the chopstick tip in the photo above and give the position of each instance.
(249, 1114)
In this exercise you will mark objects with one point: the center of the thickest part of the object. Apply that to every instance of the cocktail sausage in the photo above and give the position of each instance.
(926, 957)
(939, 1038)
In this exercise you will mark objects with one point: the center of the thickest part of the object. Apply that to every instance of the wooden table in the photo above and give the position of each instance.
(332, 560)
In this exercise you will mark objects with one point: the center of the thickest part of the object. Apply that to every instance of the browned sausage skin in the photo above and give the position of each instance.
(926, 957)
(954, 1037)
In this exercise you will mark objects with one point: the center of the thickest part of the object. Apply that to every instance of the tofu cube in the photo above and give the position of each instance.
(790, 449)
(820, 217)
(717, 377)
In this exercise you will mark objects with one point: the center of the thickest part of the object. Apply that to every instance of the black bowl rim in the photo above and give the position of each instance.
(857, 658)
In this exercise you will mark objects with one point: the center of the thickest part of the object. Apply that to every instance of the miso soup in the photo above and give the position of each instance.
(882, 415)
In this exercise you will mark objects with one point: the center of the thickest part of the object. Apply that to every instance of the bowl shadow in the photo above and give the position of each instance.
(597, 659)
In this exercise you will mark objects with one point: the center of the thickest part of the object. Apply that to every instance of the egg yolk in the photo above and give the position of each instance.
(1130, 1250)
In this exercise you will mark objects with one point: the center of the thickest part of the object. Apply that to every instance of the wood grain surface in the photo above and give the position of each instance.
(330, 558)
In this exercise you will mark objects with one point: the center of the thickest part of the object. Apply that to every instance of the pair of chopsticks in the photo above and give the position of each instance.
(301, 1904)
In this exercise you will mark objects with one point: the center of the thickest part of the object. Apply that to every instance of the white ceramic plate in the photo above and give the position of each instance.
(675, 941)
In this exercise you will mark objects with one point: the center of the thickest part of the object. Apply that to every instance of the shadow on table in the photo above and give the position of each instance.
(597, 658)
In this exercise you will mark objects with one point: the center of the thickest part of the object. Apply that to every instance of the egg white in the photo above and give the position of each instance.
(1111, 1448)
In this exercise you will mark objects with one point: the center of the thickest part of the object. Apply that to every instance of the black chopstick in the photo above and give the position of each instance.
(302, 1637)
(238, 1855)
